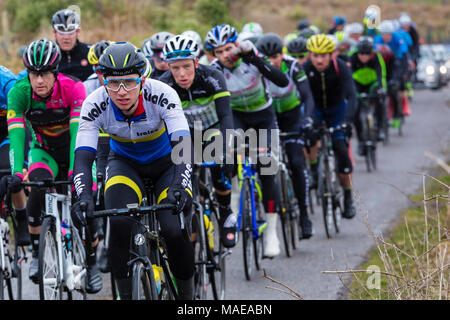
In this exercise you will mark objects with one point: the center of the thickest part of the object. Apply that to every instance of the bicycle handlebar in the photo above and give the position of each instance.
(45, 183)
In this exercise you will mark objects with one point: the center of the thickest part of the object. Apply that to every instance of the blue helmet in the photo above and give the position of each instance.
(219, 36)
(339, 20)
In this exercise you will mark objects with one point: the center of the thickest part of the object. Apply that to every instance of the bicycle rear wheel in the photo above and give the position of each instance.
(49, 276)
(285, 214)
(217, 276)
(79, 268)
(258, 243)
(201, 260)
(143, 282)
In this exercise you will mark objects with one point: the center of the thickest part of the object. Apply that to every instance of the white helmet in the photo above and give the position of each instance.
(386, 26)
(194, 35)
(253, 27)
(353, 28)
(371, 12)
(245, 35)
(180, 47)
(405, 19)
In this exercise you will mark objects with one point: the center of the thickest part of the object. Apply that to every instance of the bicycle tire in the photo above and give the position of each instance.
(141, 282)
(79, 260)
(114, 289)
(310, 201)
(47, 241)
(327, 203)
(285, 214)
(294, 213)
(258, 243)
(247, 236)
(200, 287)
(217, 276)
(17, 273)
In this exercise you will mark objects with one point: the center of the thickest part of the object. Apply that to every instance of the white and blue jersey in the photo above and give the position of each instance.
(142, 138)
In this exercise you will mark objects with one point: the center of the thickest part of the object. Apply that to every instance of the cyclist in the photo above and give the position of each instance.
(66, 29)
(7, 81)
(398, 46)
(369, 75)
(297, 49)
(334, 96)
(288, 102)
(49, 103)
(95, 80)
(408, 25)
(338, 24)
(205, 98)
(145, 121)
(152, 48)
(246, 77)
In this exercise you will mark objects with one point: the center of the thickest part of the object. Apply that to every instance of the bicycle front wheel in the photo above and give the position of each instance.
(142, 280)
(246, 228)
(49, 276)
(15, 282)
(217, 275)
(285, 215)
(79, 268)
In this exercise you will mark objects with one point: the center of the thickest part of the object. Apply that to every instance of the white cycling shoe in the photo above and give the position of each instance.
(271, 242)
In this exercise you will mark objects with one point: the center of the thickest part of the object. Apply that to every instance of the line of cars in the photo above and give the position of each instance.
(433, 67)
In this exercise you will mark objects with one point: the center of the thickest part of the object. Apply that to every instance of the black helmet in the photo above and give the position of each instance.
(297, 45)
(123, 58)
(365, 45)
(97, 49)
(66, 21)
(307, 33)
(302, 24)
(41, 56)
(270, 44)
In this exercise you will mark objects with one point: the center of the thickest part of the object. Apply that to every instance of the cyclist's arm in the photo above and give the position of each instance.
(78, 96)
(348, 88)
(17, 104)
(382, 70)
(267, 70)
(302, 83)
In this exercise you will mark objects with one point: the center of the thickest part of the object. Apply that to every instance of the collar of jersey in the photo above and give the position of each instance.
(138, 114)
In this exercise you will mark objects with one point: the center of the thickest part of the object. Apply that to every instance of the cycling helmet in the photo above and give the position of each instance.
(365, 45)
(123, 58)
(303, 24)
(158, 40)
(97, 49)
(320, 43)
(194, 35)
(270, 44)
(297, 46)
(386, 26)
(354, 28)
(219, 36)
(307, 33)
(371, 16)
(66, 21)
(405, 19)
(339, 20)
(180, 47)
(41, 56)
(247, 36)
(253, 27)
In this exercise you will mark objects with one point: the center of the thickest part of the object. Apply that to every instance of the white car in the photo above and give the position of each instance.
(431, 68)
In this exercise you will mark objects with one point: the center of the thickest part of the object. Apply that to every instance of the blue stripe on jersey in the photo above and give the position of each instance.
(87, 149)
(143, 152)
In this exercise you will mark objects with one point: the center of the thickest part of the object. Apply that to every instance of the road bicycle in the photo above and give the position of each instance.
(149, 266)
(290, 211)
(12, 256)
(328, 187)
(369, 126)
(62, 257)
(210, 254)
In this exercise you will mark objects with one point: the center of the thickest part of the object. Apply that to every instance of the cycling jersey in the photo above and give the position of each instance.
(247, 83)
(91, 84)
(75, 63)
(291, 96)
(144, 137)
(370, 74)
(202, 100)
(397, 44)
(53, 121)
(332, 86)
(7, 81)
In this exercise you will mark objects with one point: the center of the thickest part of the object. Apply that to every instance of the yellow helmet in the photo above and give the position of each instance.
(96, 50)
(320, 43)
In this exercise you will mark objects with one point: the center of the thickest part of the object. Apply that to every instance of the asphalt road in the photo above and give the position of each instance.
(377, 197)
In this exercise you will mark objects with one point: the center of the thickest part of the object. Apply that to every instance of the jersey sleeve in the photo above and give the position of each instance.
(17, 105)
(89, 126)
(78, 96)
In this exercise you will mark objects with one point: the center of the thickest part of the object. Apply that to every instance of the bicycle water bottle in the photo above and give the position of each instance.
(156, 271)
(209, 231)
(65, 230)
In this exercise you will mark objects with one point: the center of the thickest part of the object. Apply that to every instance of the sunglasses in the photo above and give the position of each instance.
(299, 55)
(62, 28)
(127, 83)
(179, 54)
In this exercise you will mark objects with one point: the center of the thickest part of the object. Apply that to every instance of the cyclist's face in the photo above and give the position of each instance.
(160, 64)
(386, 37)
(122, 98)
(320, 61)
(222, 53)
(42, 83)
(183, 71)
(276, 60)
(364, 57)
(66, 41)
